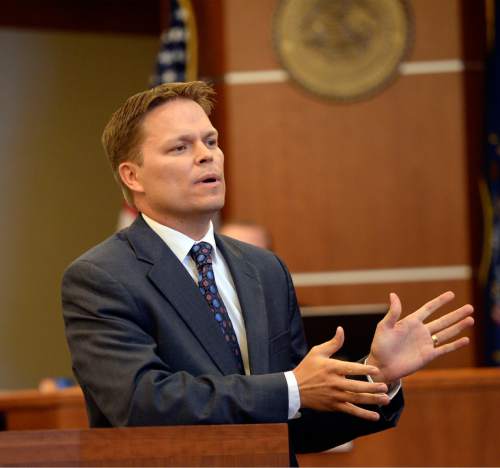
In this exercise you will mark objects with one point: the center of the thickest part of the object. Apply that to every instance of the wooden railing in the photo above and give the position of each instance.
(31, 409)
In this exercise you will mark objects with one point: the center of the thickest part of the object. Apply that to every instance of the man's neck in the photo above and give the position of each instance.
(194, 228)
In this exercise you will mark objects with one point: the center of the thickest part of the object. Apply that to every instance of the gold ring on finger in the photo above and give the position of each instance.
(435, 340)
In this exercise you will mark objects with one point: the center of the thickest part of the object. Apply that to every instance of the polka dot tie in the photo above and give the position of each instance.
(201, 253)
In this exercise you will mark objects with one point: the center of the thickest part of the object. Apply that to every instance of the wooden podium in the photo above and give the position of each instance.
(224, 445)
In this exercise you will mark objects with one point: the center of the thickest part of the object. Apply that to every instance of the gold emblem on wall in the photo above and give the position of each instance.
(342, 49)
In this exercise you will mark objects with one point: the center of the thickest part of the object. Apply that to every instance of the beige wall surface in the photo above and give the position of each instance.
(58, 197)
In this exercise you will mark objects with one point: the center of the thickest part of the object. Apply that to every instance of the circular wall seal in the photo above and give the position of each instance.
(342, 49)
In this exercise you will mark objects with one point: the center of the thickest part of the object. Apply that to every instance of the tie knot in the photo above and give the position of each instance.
(201, 253)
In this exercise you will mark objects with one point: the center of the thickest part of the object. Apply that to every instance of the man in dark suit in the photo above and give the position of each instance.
(169, 323)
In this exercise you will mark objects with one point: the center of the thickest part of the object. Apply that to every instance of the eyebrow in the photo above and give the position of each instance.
(191, 136)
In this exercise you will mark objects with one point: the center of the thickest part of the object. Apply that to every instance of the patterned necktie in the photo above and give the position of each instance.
(201, 253)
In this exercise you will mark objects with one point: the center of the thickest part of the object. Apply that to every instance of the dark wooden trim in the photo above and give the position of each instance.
(106, 16)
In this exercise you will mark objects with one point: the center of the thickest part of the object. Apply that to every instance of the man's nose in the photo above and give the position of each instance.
(202, 153)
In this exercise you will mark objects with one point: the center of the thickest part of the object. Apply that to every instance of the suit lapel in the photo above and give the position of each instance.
(251, 298)
(173, 281)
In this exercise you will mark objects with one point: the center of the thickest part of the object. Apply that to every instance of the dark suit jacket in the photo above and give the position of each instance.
(146, 351)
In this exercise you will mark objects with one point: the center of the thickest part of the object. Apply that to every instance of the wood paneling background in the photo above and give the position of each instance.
(378, 184)
(388, 182)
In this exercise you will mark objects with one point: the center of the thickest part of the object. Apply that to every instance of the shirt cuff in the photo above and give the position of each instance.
(391, 390)
(293, 395)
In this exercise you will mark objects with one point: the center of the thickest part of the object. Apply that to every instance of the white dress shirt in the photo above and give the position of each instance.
(180, 244)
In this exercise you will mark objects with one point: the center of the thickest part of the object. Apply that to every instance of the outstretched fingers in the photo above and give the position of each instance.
(394, 311)
(353, 368)
(453, 346)
(362, 413)
(453, 330)
(450, 319)
(431, 306)
(330, 347)
(323, 383)
(366, 398)
(359, 392)
(361, 386)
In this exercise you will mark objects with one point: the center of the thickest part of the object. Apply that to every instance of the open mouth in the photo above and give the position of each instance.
(209, 179)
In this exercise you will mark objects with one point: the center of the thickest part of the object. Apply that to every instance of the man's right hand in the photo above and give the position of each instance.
(323, 384)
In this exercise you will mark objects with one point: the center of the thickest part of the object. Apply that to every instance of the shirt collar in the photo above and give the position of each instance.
(179, 243)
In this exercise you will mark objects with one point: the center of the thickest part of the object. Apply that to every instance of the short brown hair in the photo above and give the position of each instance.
(122, 135)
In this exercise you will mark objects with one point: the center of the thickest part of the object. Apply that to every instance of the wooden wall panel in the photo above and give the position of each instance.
(248, 32)
(377, 184)
(381, 183)
(248, 29)
(438, 30)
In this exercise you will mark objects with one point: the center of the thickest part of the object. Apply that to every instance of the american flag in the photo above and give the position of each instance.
(490, 267)
(177, 60)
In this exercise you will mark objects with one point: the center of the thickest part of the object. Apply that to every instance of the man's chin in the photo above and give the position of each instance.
(214, 204)
(213, 209)
(209, 208)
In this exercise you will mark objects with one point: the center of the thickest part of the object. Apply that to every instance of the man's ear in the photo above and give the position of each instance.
(129, 175)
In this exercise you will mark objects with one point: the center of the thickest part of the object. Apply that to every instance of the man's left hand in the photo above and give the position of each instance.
(401, 347)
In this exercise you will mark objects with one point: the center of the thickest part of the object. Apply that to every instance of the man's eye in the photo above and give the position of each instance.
(212, 143)
(179, 148)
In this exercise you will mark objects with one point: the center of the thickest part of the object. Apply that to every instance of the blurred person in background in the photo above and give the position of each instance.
(249, 232)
